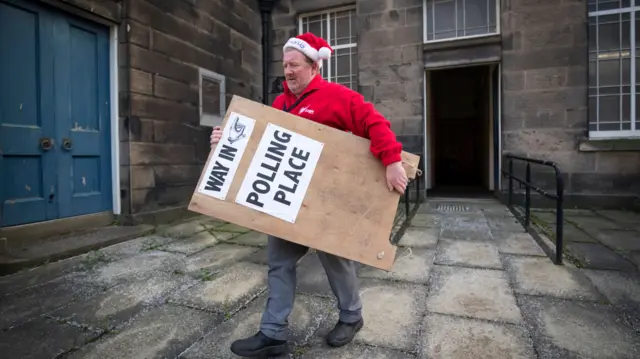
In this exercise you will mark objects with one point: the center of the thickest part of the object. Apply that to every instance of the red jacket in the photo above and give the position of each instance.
(340, 107)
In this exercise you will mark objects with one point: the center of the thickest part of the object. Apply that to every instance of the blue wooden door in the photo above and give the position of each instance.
(55, 158)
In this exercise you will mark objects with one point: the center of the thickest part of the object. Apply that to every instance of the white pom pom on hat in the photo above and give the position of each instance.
(324, 53)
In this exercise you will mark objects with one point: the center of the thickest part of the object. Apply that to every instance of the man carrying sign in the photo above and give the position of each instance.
(307, 95)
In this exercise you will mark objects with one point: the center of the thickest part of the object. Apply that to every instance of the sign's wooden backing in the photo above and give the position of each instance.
(347, 211)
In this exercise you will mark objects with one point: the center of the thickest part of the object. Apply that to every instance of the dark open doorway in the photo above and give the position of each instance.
(460, 125)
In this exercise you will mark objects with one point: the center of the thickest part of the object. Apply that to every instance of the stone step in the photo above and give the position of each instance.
(56, 248)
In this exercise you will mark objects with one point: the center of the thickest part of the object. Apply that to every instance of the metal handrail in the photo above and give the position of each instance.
(558, 197)
(408, 210)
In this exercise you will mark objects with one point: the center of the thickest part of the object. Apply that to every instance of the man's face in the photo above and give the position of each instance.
(298, 72)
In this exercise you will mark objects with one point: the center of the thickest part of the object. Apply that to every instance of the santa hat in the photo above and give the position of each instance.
(314, 47)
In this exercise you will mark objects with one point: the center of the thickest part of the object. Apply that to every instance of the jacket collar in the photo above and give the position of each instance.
(315, 84)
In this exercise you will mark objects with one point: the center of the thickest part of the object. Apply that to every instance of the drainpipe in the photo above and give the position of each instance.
(265, 11)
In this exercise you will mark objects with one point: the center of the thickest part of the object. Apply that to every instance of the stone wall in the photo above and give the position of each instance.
(163, 45)
(545, 101)
(389, 35)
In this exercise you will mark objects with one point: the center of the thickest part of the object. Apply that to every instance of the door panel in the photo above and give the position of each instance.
(54, 84)
(26, 98)
(82, 83)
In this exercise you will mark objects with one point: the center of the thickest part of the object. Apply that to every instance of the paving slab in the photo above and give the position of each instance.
(40, 275)
(217, 258)
(620, 288)
(42, 339)
(455, 337)
(548, 217)
(417, 237)
(411, 265)
(597, 256)
(181, 230)
(517, 243)
(627, 219)
(233, 228)
(475, 293)
(468, 253)
(496, 211)
(136, 246)
(633, 257)
(426, 220)
(504, 224)
(307, 315)
(160, 332)
(112, 273)
(392, 313)
(480, 232)
(540, 276)
(252, 238)
(353, 351)
(619, 240)
(574, 234)
(589, 223)
(576, 329)
(259, 257)
(34, 302)
(115, 306)
(191, 245)
(226, 293)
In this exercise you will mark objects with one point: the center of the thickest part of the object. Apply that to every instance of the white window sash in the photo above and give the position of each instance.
(428, 22)
(634, 132)
(329, 16)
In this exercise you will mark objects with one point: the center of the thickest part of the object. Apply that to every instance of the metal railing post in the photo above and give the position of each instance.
(558, 197)
(559, 216)
(510, 182)
(527, 219)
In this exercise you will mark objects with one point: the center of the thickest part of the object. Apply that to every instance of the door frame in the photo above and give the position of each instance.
(495, 130)
(114, 120)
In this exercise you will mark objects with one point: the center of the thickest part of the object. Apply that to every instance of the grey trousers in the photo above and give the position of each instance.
(282, 257)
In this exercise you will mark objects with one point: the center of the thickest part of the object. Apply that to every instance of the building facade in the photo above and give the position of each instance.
(107, 105)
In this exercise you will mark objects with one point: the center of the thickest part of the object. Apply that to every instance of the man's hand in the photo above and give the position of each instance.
(396, 177)
(216, 134)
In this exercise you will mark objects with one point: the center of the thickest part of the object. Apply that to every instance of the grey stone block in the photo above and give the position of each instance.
(307, 315)
(226, 292)
(29, 304)
(476, 293)
(418, 237)
(517, 243)
(576, 329)
(468, 253)
(160, 332)
(411, 265)
(43, 339)
(597, 256)
(540, 276)
(393, 326)
(454, 337)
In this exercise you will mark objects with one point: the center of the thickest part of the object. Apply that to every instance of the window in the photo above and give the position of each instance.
(459, 19)
(338, 27)
(212, 98)
(613, 68)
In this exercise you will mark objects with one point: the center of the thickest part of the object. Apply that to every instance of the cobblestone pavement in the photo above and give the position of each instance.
(468, 283)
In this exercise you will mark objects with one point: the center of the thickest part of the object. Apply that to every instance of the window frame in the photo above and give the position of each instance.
(206, 119)
(426, 23)
(327, 66)
(634, 131)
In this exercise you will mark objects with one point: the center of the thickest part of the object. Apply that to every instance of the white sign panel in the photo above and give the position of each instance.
(279, 174)
(226, 156)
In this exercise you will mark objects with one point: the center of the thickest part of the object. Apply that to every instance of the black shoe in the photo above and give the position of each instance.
(260, 346)
(343, 333)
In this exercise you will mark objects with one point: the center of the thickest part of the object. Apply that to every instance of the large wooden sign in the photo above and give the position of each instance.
(304, 182)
